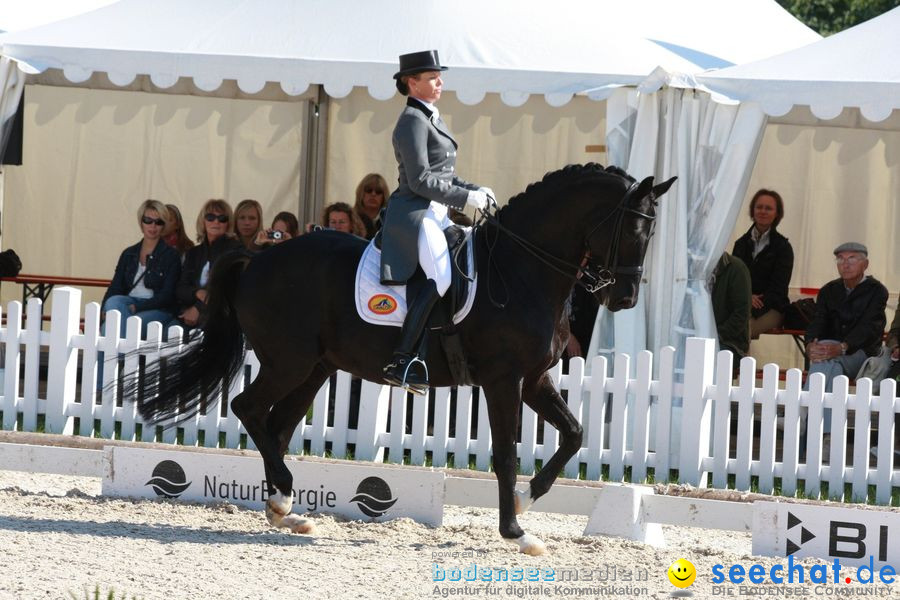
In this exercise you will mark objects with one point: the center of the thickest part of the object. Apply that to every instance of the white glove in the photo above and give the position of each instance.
(489, 192)
(478, 199)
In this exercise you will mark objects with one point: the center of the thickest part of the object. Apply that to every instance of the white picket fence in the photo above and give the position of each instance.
(633, 421)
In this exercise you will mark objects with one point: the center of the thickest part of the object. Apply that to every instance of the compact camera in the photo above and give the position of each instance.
(275, 234)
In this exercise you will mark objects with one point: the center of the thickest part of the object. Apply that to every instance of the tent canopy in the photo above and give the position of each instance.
(515, 48)
(17, 16)
(855, 68)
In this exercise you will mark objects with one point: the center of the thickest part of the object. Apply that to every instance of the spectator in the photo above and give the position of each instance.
(146, 274)
(174, 235)
(248, 222)
(340, 217)
(215, 237)
(284, 227)
(770, 258)
(371, 194)
(849, 319)
(730, 286)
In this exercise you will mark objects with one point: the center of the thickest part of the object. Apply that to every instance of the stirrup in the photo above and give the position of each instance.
(416, 387)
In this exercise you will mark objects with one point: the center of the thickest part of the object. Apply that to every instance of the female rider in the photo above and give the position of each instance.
(417, 211)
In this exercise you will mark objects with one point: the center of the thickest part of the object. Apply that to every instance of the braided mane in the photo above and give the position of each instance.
(568, 176)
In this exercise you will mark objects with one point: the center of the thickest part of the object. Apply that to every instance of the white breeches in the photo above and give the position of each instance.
(434, 256)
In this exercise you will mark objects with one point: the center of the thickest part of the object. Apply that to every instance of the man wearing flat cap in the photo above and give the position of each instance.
(849, 319)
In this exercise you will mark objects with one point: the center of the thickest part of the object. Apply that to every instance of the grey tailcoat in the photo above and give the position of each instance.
(426, 155)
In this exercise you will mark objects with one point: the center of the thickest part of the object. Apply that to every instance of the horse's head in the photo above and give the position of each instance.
(617, 245)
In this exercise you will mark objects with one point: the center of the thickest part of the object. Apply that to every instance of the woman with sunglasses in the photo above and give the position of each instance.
(215, 237)
(371, 195)
(146, 274)
(417, 212)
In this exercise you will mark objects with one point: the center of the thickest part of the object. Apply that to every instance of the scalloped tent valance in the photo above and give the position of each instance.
(515, 48)
(855, 68)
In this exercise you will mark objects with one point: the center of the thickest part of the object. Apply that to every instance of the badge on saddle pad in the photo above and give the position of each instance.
(382, 304)
(386, 304)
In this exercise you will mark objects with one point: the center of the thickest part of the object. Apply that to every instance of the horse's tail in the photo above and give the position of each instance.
(174, 387)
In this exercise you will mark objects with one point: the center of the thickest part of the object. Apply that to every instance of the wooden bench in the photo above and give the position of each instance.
(40, 286)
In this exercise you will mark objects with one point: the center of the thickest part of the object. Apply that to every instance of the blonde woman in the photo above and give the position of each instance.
(371, 195)
(146, 274)
(248, 222)
(215, 237)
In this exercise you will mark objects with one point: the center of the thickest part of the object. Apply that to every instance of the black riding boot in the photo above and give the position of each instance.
(406, 369)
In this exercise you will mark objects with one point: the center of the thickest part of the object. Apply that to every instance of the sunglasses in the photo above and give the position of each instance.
(214, 217)
(373, 191)
(149, 221)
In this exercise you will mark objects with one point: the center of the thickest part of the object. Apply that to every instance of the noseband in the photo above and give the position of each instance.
(589, 275)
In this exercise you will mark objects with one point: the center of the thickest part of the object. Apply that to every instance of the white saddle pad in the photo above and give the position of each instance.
(386, 304)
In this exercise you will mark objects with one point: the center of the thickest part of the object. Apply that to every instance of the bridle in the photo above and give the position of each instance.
(600, 276)
(589, 274)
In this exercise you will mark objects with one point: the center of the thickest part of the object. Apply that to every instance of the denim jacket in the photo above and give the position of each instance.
(161, 276)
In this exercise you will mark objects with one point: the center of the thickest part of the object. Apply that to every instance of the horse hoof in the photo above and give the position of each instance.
(280, 504)
(277, 508)
(523, 500)
(531, 545)
(299, 525)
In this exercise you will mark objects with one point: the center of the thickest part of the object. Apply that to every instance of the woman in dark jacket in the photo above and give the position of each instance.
(417, 210)
(146, 274)
(215, 237)
(770, 258)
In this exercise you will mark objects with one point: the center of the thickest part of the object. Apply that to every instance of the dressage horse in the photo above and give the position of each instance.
(584, 225)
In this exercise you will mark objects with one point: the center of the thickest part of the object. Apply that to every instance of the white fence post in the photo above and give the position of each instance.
(63, 359)
(722, 411)
(641, 439)
(373, 410)
(595, 425)
(696, 410)
(619, 421)
(33, 324)
(12, 365)
(885, 464)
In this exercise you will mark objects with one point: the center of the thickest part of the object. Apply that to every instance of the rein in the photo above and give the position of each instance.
(587, 275)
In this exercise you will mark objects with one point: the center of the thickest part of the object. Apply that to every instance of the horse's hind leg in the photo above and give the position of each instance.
(280, 424)
(252, 407)
(503, 403)
(543, 398)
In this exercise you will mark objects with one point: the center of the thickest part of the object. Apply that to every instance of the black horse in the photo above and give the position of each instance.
(295, 304)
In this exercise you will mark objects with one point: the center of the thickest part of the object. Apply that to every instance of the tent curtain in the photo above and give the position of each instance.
(12, 83)
(712, 148)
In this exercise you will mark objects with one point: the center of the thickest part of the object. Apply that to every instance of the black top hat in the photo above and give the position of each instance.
(419, 62)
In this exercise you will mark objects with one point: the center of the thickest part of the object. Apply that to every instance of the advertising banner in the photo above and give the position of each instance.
(356, 491)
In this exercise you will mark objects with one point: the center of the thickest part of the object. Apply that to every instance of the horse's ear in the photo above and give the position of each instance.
(659, 190)
(643, 188)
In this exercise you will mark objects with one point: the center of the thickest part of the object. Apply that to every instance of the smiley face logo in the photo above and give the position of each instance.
(682, 573)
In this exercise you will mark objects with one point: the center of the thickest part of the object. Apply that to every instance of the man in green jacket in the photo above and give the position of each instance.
(731, 292)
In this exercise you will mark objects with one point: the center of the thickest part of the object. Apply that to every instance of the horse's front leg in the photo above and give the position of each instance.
(542, 397)
(503, 403)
